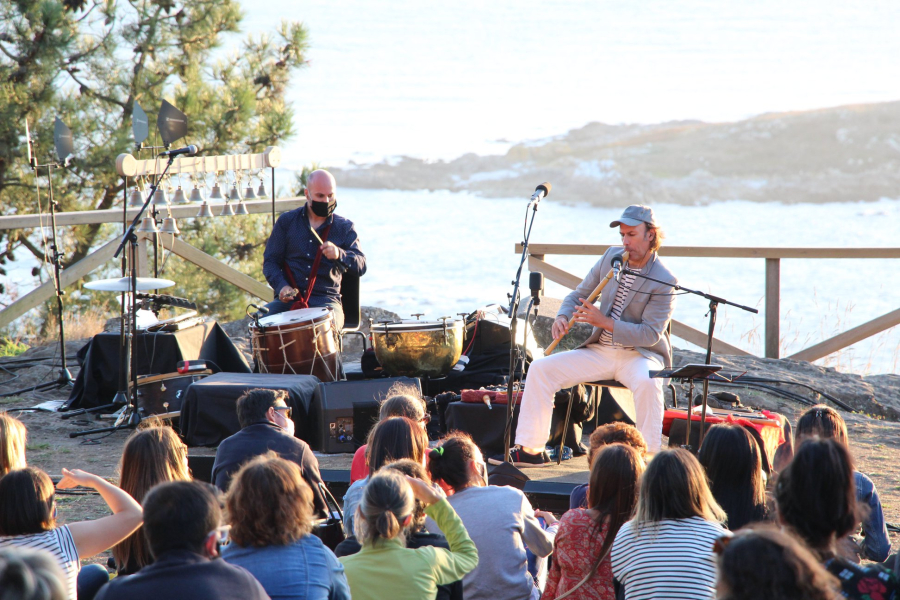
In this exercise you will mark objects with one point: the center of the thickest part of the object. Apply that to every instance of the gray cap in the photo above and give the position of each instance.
(634, 215)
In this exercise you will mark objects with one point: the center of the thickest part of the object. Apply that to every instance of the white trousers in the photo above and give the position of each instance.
(592, 363)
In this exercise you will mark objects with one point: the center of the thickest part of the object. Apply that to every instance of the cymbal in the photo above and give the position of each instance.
(124, 284)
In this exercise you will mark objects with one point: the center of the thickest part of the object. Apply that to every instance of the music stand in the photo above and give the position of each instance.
(690, 373)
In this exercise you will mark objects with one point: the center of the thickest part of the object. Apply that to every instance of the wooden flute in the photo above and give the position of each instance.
(590, 299)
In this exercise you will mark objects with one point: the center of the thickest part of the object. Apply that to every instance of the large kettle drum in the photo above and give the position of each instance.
(418, 348)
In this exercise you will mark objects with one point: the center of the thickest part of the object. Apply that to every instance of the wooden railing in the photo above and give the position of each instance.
(102, 255)
(772, 256)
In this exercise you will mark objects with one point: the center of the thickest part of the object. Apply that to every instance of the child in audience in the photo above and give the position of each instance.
(666, 551)
(403, 400)
(611, 433)
(270, 509)
(151, 456)
(385, 568)
(733, 465)
(28, 519)
(390, 440)
(816, 499)
(764, 563)
(825, 422)
(500, 521)
(581, 566)
(27, 574)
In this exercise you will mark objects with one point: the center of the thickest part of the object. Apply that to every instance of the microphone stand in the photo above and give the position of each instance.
(131, 417)
(65, 377)
(514, 300)
(714, 302)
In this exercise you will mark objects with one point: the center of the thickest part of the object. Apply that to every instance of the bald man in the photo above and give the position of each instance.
(302, 270)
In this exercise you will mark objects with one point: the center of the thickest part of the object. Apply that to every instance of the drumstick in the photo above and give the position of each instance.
(590, 298)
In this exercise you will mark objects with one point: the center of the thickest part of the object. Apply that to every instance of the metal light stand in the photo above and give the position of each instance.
(514, 300)
(714, 302)
(131, 417)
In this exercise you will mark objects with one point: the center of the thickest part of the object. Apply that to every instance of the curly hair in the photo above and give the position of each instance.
(449, 462)
(616, 433)
(269, 503)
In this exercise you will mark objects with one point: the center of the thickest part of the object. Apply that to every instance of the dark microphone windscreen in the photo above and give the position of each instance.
(544, 186)
(536, 282)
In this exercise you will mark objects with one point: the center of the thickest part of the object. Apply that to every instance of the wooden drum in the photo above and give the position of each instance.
(301, 342)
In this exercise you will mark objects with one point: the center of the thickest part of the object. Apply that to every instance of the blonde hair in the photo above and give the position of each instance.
(13, 435)
(386, 502)
(658, 236)
(674, 486)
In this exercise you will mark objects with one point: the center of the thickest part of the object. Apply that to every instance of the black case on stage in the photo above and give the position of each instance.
(332, 411)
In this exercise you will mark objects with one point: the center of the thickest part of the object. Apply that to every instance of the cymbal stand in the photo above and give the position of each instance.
(131, 417)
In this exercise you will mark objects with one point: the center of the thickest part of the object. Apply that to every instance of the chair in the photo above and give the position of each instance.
(352, 311)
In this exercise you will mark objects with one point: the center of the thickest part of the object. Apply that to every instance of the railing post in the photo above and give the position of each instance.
(773, 307)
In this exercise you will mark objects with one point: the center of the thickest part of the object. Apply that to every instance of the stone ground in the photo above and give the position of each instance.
(874, 426)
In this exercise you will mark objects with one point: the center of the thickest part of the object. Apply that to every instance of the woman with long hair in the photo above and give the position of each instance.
(392, 439)
(764, 563)
(385, 567)
(28, 518)
(581, 564)
(151, 456)
(500, 521)
(816, 500)
(825, 422)
(12, 443)
(733, 465)
(270, 509)
(611, 433)
(666, 551)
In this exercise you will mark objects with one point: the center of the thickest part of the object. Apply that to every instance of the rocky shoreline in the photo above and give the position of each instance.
(841, 154)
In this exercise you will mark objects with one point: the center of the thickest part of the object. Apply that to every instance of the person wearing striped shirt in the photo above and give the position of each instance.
(630, 338)
(666, 551)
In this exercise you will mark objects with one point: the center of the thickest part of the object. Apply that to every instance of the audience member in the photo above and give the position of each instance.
(151, 456)
(733, 465)
(825, 422)
(28, 519)
(271, 514)
(500, 521)
(611, 433)
(27, 574)
(816, 499)
(415, 533)
(764, 563)
(384, 567)
(581, 564)
(392, 439)
(12, 443)
(266, 426)
(666, 551)
(403, 400)
(183, 524)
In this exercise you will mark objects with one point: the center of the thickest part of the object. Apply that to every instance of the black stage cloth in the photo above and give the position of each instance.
(209, 414)
(157, 353)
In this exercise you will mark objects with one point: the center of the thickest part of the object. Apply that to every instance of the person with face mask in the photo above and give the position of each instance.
(309, 251)
(266, 425)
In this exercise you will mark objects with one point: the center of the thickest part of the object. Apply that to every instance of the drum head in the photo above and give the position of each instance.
(303, 315)
(410, 325)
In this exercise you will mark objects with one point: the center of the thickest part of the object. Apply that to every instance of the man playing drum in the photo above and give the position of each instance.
(629, 339)
(309, 250)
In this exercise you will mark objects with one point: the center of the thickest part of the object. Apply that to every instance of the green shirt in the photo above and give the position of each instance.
(390, 570)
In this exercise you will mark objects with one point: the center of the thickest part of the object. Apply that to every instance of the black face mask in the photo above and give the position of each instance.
(323, 209)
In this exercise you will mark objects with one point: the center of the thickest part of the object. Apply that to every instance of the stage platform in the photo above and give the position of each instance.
(548, 489)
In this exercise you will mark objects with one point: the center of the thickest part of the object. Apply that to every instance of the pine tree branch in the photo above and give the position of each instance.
(86, 89)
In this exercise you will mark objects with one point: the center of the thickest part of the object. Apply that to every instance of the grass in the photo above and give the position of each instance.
(34, 447)
(10, 348)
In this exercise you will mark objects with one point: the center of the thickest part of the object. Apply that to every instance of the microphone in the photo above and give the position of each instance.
(189, 150)
(617, 266)
(541, 191)
(536, 283)
(261, 309)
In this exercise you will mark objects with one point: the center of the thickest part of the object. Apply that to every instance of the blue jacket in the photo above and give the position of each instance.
(304, 570)
(876, 545)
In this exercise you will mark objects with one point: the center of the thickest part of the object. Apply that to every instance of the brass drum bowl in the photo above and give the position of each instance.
(418, 348)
